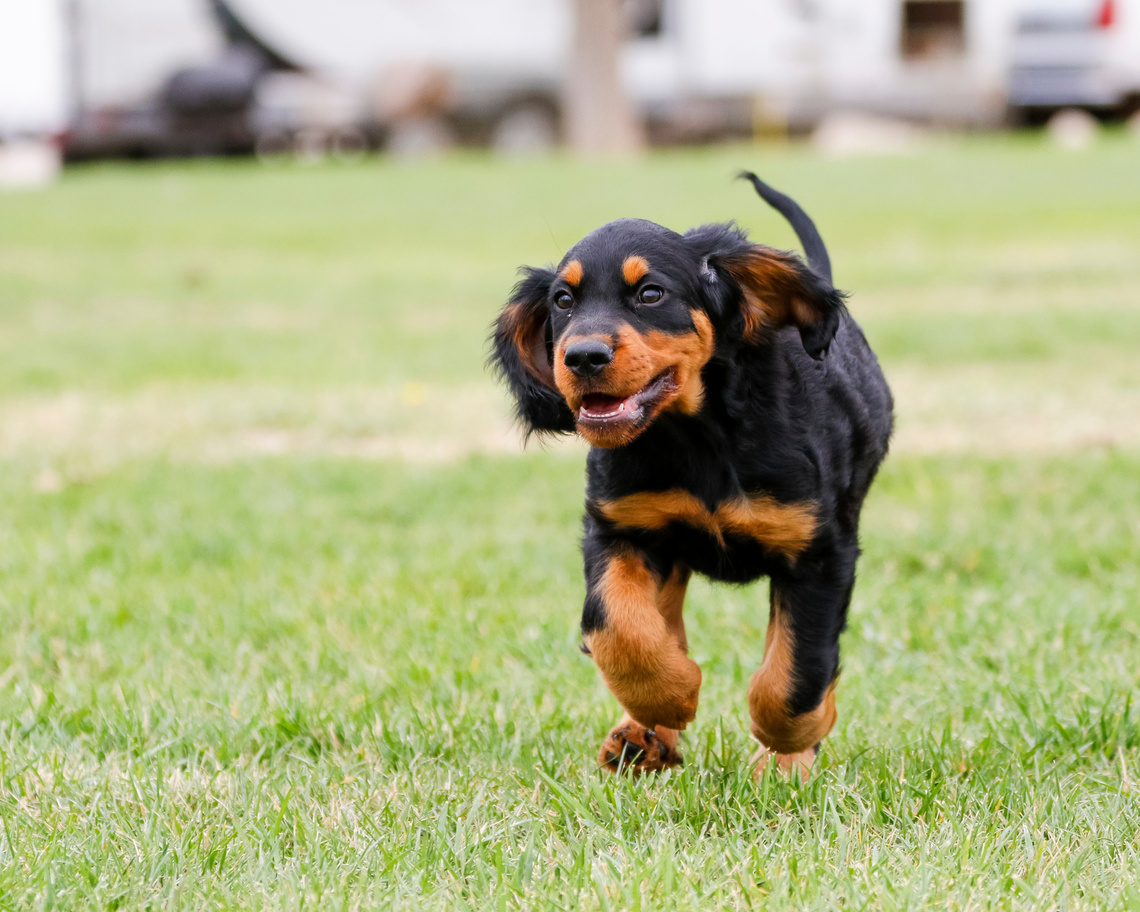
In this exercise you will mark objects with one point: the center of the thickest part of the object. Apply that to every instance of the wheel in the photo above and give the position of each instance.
(525, 130)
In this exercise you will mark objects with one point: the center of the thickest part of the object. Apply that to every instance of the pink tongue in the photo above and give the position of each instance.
(596, 402)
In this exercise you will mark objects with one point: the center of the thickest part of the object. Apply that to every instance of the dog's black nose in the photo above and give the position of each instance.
(587, 357)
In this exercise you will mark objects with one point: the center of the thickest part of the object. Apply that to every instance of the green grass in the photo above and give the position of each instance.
(290, 621)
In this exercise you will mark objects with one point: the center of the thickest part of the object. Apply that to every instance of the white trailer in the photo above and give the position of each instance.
(692, 63)
(33, 75)
(930, 59)
(33, 96)
(1082, 53)
(695, 67)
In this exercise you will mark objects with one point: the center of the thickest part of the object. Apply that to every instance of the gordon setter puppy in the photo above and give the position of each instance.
(736, 417)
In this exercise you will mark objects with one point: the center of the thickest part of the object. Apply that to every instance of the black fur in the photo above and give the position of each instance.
(723, 247)
(805, 229)
(539, 407)
(799, 411)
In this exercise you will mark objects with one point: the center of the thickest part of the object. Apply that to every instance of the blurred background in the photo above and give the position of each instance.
(270, 210)
(142, 78)
(275, 564)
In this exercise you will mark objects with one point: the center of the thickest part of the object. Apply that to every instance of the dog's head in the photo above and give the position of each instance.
(621, 331)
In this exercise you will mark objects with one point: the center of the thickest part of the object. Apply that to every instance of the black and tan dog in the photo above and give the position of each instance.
(737, 418)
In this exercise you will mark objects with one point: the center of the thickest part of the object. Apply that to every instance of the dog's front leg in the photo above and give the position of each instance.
(632, 626)
(791, 698)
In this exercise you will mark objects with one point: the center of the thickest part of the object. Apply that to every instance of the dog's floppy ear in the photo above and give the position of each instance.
(770, 288)
(522, 353)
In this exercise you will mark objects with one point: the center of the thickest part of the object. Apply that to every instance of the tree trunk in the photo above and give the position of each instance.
(599, 117)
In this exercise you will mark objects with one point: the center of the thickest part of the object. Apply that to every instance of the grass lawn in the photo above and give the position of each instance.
(290, 618)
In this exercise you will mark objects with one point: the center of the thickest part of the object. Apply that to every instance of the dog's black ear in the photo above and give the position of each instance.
(522, 354)
(759, 289)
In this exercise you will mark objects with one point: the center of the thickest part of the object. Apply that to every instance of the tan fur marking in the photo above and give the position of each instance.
(770, 690)
(572, 274)
(756, 316)
(787, 764)
(634, 269)
(785, 528)
(655, 510)
(632, 748)
(527, 326)
(651, 753)
(773, 291)
(671, 604)
(638, 360)
(638, 651)
(803, 313)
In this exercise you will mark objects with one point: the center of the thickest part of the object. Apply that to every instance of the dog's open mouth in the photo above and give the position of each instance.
(600, 410)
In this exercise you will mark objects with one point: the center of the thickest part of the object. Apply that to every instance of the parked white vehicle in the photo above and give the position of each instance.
(942, 60)
(689, 62)
(33, 96)
(693, 66)
(217, 75)
(1076, 53)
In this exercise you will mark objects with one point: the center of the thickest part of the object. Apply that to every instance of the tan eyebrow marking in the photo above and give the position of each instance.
(572, 273)
(634, 268)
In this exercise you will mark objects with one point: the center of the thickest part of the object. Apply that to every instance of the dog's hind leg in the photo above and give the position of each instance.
(791, 698)
(632, 627)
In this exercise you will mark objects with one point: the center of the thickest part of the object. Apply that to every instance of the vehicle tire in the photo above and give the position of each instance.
(1073, 129)
(272, 146)
(523, 131)
(348, 144)
(419, 137)
(1133, 124)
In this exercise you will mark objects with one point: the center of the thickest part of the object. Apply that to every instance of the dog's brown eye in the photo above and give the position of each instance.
(563, 300)
(650, 295)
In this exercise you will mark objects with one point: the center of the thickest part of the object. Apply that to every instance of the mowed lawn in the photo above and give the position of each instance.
(290, 617)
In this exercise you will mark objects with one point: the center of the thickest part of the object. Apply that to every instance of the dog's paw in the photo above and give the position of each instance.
(788, 764)
(633, 748)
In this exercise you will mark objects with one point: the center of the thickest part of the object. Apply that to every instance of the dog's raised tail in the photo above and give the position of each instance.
(804, 227)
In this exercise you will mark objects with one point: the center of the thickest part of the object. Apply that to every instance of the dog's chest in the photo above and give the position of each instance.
(685, 492)
(785, 529)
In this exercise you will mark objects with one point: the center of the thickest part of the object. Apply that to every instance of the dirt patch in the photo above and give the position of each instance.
(90, 433)
(986, 409)
(999, 410)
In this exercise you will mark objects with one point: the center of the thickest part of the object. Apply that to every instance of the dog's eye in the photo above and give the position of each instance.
(563, 300)
(650, 294)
